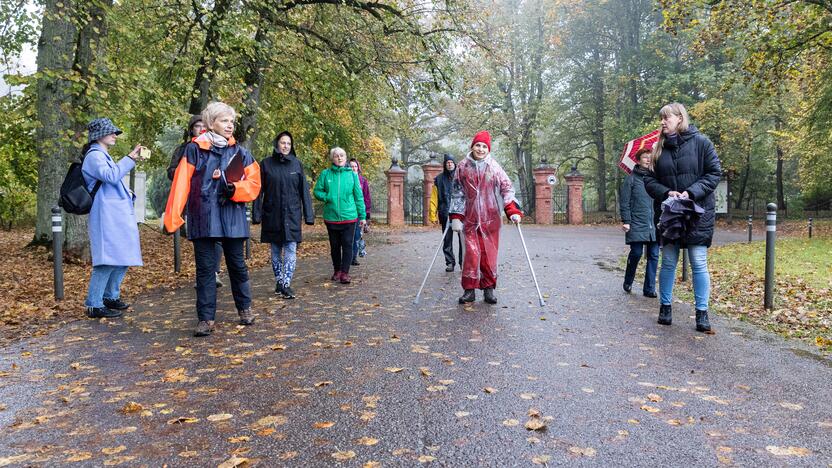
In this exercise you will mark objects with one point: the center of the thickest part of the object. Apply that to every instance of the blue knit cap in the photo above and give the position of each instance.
(99, 128)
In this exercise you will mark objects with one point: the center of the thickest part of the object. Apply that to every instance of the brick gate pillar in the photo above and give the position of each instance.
(575, 196)
(395, 194)
(431, 169)
(543, 174)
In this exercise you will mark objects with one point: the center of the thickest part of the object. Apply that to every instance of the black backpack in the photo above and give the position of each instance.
(75, 198)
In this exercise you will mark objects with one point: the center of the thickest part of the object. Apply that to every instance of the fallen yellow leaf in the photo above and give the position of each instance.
(323, 425)
(233, 462)
(541, 459)
(511, 422)
(219, 417)
(343, 455)
(535, 424)
(788, 451)
(583, 451)
(113, 450)
(426, 458)
(366, 441)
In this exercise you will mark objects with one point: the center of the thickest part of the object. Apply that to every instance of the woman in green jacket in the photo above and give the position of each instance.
(340, 190)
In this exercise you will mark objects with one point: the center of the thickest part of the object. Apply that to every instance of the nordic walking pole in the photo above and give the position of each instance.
(534, 277)
(444, 233)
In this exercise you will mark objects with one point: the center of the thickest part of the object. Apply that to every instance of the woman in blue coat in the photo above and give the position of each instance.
(113, 233)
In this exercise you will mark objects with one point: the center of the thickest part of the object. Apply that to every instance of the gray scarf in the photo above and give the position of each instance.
(217, 140)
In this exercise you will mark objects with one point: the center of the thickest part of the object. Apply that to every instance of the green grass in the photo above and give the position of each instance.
(806, 259)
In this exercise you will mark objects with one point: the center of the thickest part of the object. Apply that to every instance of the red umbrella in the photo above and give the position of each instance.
(628, 156)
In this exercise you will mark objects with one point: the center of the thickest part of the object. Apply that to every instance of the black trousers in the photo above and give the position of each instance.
(340, 244)
(448, 242)
(206, 266)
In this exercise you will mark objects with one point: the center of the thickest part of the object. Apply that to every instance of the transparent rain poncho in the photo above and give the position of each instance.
(481, 191)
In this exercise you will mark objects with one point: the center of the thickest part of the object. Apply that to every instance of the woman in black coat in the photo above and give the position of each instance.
(283, 201)
(685, 165)
(636, 208)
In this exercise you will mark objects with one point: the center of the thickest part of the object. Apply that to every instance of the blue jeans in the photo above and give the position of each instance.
(636, 250)
(284, 259)
(105, 282)
(357, 241)
(698, 255)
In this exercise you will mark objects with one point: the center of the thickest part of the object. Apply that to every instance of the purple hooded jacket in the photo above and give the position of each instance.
(365, 189)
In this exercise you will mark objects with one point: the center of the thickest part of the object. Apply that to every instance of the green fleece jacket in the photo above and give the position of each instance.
(340, 190)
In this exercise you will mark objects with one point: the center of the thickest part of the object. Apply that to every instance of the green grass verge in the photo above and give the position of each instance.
(803, 287)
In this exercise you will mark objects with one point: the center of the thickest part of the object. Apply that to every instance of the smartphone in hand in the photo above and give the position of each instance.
(144, 153)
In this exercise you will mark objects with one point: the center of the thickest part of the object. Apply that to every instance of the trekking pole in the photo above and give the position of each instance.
(425, 280)
(534, 277)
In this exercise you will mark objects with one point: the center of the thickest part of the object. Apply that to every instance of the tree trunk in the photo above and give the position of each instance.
(68, 45)
(744, 183)
(247, 130)
(201, 92)
(599, 111)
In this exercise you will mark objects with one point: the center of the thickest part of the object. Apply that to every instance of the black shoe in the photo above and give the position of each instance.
(449, 268)
(488, 296)
(702, 323)
(115, 304)
(288, 293)
(665, 314)
(278, 289)
(354, 262)
(628, 288)
(103, 312)
(650, 294)
(468, 296)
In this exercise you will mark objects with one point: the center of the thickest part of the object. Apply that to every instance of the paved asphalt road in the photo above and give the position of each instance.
(358, 374)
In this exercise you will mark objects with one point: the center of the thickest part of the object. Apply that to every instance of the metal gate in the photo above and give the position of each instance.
(560, 205)
(414, 204)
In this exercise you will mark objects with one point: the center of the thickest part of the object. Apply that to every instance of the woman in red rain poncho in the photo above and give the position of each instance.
(481, 192)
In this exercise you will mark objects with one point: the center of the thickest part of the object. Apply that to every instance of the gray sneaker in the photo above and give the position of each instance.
(218, 280)
(246, 316)
(204, 328)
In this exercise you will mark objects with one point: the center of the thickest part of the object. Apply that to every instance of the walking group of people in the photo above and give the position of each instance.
(213, 178)
(682, 167)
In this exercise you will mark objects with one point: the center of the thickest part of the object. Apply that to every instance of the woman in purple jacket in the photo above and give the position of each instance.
(358, 245)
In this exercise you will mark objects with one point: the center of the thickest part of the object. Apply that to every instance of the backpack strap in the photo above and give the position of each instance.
(97, 183)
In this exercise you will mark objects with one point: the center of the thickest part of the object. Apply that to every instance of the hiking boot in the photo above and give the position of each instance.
(651, 295)
(219, 281)
(115, 304)
(204, 328)
(702, 323)
(449, 268)
(336, 276)
(628, 288)
(488, 296)
(288, 293)
(468, 296)
(665, 314)
(278, 288)
(103, 312)
(345, 278)
(355, 262)
(246, 316)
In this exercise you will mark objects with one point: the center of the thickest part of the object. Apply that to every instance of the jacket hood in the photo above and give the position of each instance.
(445, 160)
(640, 170)
(276, 153)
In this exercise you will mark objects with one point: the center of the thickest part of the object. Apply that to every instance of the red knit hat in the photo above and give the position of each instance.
(482, 137)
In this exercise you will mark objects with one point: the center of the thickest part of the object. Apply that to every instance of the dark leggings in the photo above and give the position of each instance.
(340, 244)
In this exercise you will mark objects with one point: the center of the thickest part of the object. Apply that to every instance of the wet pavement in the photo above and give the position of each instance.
(357, 374)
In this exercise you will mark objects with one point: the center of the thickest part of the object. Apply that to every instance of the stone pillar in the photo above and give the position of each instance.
(395, 194)
(431, 169)
(543, 192)
(575, 196)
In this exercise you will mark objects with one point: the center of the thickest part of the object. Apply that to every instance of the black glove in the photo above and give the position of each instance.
(226, 192)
